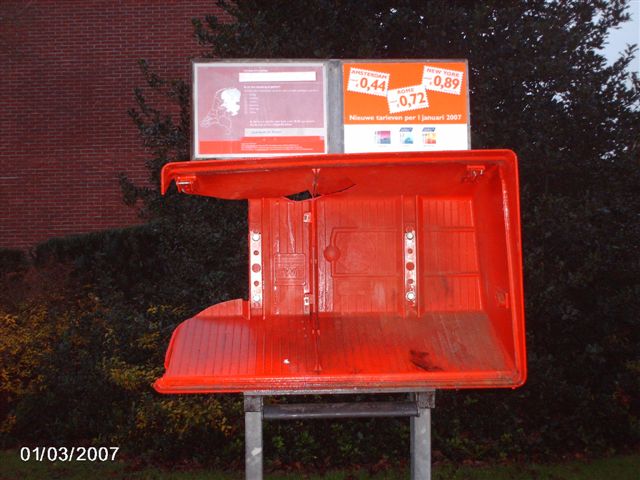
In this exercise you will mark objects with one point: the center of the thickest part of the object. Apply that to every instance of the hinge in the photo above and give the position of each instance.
(186, 184)
(255, 273)
(474, 172)
(410, 276)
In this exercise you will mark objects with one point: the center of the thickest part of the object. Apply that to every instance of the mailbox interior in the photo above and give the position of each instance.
(396, 271)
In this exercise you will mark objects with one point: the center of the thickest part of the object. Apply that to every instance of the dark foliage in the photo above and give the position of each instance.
(12, 260)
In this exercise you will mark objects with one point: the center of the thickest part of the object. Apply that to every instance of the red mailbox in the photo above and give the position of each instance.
(400, 271)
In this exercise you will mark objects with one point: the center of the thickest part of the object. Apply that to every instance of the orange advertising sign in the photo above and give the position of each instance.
(405, 106)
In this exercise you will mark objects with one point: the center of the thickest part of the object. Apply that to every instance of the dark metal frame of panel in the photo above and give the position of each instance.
(417, 408)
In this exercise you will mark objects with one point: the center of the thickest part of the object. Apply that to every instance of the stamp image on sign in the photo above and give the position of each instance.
(442, 80)
(368, 81)
(407, 98)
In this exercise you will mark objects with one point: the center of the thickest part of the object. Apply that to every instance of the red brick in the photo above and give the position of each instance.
(68, 72)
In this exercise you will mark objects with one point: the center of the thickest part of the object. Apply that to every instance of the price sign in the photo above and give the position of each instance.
(407, 98)
(368, 81)
(426, 106)
(442, 80)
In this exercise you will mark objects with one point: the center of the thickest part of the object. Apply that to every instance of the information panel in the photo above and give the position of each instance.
(405, 106)
(259, 109)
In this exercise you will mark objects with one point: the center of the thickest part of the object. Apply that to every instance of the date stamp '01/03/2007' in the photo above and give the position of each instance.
(68, 454)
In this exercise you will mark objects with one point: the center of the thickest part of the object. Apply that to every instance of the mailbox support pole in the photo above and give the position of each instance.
(421, 436)
(253, 406)
(417, 408)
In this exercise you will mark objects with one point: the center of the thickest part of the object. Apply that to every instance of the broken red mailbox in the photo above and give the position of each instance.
(402, 271)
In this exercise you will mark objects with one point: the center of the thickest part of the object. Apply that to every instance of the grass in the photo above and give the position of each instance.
(619, 468)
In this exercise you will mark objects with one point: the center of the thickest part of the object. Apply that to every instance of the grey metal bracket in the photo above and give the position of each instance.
(417, 408)
(300, 411)
(424, 399)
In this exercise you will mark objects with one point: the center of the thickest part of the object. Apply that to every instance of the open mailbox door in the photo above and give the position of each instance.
(401, 271)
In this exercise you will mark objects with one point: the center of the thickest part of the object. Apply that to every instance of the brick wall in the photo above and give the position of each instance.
(67, 72)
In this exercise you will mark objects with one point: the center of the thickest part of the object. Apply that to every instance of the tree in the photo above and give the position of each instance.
(540, 86)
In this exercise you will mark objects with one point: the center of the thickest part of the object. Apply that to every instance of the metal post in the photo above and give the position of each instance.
(421, 436)
(253, 406)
